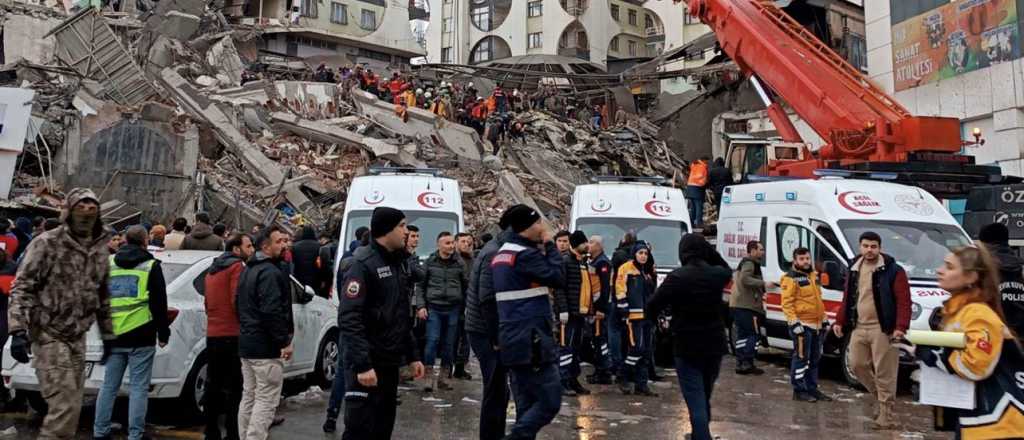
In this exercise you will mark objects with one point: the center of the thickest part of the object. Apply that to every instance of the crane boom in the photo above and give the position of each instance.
(857, 120)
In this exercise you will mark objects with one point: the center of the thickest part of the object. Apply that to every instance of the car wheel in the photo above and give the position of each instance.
(192, 394)
(36, 402)
(847, 368)
(327, 361)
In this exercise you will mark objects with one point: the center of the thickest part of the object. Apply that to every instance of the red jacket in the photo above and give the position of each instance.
(9, 243)
(220, 290)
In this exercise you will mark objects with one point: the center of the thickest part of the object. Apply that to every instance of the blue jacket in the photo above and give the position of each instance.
(603, 268)
(522, 277)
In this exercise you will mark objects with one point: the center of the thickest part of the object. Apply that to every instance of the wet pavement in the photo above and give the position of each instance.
(743, 407)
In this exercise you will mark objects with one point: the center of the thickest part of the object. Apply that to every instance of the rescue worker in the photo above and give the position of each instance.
(375, 324)
(695, 184)
(600, 271)
(482, 332)
(876, 311)
(805, 314)
(138, 307)
(572, 305)
(616, 328)
(747, 309)
(524, 269)
(991, 357)
(1011, 282)
(59, 292)
(633, 287)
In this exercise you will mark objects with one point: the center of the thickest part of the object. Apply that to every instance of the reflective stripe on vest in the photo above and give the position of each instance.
(129, 297)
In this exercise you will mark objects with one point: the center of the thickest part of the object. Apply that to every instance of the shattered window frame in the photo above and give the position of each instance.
(337, 18)
(368, 20)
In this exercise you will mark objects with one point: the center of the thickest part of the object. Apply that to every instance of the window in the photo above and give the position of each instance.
(648, 21)
(535, 9)
(481, 17)
(615, 12)
(430, 224)
(307, 8)
(614, 45)
(689, 19)
(632, 48)
(632, 17)
(482, 52)
(374, 55)
(789, 237)
(369, 21)
(446, 24)
(339, 13)
(446, 54)
(662, 235)
(919, 247)
(534, 41)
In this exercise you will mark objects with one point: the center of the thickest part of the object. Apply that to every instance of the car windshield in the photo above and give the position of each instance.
(173, 270)
(430, 224)
(919, 247)
(662, 235)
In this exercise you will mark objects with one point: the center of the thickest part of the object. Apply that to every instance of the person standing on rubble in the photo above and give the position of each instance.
(59, 292)
(202, 237)
(695, 184)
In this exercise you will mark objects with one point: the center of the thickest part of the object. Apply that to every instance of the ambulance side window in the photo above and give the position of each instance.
(789, 237)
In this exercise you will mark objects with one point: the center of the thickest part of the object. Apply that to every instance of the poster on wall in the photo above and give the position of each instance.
(952, 39)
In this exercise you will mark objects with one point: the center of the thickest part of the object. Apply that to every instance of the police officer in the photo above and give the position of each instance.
(573, 304)
(377, 329)
(525, 268)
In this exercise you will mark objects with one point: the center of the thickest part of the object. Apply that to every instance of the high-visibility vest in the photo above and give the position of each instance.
(698, 174)
(129, 296)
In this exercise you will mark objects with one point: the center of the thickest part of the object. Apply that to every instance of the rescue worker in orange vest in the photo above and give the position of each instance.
(695, 185)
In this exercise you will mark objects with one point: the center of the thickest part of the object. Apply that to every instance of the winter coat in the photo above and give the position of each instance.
(602, 268)
(719, 178)
(304, 255)
(748, 287)
(7, 271)
(174, 239)
(693, 291)
(891, 292)
(325, 263)
(202, 238)
(481, 306)
(219, 295)
(443, 285)
(374, 312)
(1011, 286)
(61, 286)
(129, 256)
(577, 286)
(264, 306)
(801, 298)
(633, 288)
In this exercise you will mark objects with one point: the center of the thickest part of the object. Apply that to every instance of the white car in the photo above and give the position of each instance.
(179, 369)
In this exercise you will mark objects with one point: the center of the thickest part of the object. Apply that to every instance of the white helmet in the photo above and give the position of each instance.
(444, 84)
(470, 85)
(419, 91)
(427, 95)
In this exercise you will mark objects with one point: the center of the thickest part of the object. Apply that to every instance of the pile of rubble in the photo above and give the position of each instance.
(148, 107)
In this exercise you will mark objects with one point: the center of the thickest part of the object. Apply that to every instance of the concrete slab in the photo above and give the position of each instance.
(178, 25)
(23, 38)
(320, 132)
(223, 57)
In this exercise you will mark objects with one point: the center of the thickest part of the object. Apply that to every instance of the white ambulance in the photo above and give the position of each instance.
(827, 216)
(645, 206)
(430, 201)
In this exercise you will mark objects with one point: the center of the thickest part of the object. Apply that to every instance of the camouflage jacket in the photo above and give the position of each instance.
(61, 287)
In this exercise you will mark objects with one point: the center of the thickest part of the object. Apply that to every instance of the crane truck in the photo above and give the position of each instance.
(866, 132)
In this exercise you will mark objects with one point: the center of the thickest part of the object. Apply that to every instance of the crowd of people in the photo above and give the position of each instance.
(528, 303)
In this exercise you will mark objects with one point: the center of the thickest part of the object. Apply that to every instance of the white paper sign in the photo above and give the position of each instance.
(939, 388)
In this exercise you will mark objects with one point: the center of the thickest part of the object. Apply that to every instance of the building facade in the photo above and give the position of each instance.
(955, 58)
(599, 31)
(375, 32)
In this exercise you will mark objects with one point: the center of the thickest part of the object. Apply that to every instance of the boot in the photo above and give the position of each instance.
(432, 381)
(886, 419)
(801, 396)
(567, 389)
(576, 386)
(644, 391)
(600, 378)
(331, 425)
(460, 372)
(626, 387)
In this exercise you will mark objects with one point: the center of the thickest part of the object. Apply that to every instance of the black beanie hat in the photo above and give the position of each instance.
(520, 217)
(577, 238)
(384, 220)
(995, 233)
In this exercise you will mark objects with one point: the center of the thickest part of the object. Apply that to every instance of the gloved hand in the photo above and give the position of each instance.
(931, 356)
(20, 346)
(796, 328)
(106, 352)
(563, 317)
(935, 320)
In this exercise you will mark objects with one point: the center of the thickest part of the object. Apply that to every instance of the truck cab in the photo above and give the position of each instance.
(429, 200)
(827, 216)
(645, 206)
(749, 157)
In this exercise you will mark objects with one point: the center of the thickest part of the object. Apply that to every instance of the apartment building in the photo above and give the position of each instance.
(599, 31)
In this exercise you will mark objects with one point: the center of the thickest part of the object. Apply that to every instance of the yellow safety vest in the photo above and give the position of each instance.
(129, 297)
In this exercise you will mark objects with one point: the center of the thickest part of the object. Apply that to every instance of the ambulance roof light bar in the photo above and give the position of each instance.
(653, 180)
(377, 171)
(851, 174)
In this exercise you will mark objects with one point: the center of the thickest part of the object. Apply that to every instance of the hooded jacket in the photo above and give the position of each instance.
(891, 292)
(634, 284)
(220, 293)
(304, 255)
(264, 309)
(481, 307)
(693, 291)
(61, 286)
(443, 284)
(202, 239)
(128, 257)
(1011, 286)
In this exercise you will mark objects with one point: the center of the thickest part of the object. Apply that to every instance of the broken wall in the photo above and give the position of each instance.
(23, 38)
(689, 130)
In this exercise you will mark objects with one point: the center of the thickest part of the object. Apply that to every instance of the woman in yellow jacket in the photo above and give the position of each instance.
(805, 313)
(992, 355)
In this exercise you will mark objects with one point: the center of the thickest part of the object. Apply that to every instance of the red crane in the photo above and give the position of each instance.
(864, 128)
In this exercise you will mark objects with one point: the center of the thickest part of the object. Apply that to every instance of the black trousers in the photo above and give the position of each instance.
(496, 390)
(223, 386)
(370, 412)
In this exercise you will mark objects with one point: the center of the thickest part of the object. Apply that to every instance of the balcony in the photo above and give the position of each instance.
(574, 8)
(655, 34)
